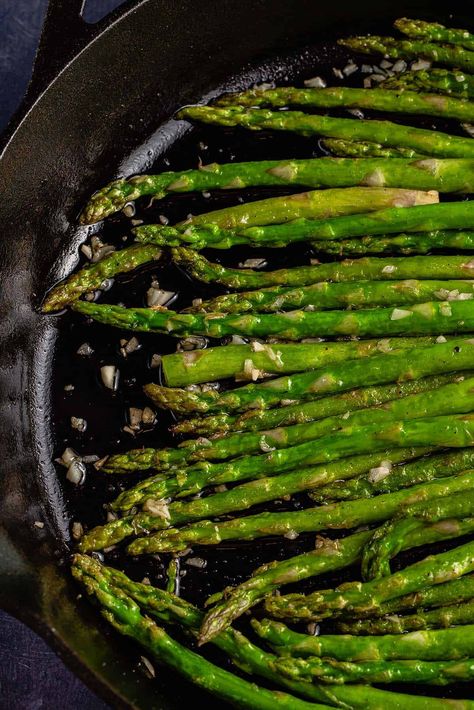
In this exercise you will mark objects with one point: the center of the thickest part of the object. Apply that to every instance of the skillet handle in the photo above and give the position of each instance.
(65, 33)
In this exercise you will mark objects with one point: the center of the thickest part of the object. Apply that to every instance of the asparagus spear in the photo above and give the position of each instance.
(427, 469)
(385, 133)
(369, 596)
(349, 149)
(92, 276)
(326, 295)
(124, 615)
(437, 80)
(246, 655)
(444, 54)
(211, 364)
(405, 101)
(450, 399)
(317, 204)
(329, 556)
(301, 411)
(341, 515)
(441, 595)
(315, 173)
(386, 541)
(434, 32)
(239, 498)
(430, 318)
(368, 269)
(443, 617)
(424, 218)
(397, 365)
(430, 645)
(419, 243)
(330, 671)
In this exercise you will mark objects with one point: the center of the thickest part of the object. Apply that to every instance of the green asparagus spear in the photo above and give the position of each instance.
(424, 218)
(246, 655)
(301, 411)
(241, 361)
(430, 318)
(434, 32)
(239, 498)
(443, 617)
(441, 595)
(124, 615)
(426, 469)
(349, 149)
(437, 80)
(419, 243)
(329, 671)
(450, 176)
(429, 645)
(387, 540)
(317, 204)
(329, 556)
(326, 295)
(341, 515)
(385, 133)
(444, 54)
(392, 366)
(92, 276)
(368, 269)
(453, 398)
(369, 596)
(405, 101)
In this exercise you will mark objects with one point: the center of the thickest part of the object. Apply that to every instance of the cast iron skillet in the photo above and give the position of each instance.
(98, 95)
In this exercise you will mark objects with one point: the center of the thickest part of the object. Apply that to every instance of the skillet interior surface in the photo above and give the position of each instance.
(98, 120)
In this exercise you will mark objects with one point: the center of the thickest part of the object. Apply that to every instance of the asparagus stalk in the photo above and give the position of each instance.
(341, 515)
(408, 102)
(437, 80)
(419, 243)
(368, 269)
(444, 54)
(430, 645)
(239, 498)
(443, 617)
(385, 133)
(246, 655)
(330, 671)
(241, 361)
(315, 173)
(441, 595)
(434, 32)
(329, 556)
(392, 366)
(124, 615)
(326, 295)
(317, 204)
(427, 469)
(349, 149)
(387, 540)
(301, 411)
(369, 596)
(453, 398)
(430, 318)
(92, 276)
(424, 218)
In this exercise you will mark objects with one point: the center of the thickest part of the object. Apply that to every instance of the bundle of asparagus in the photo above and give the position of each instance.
(347, 389)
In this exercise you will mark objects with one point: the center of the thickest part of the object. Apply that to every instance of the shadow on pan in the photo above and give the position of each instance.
(99, 106)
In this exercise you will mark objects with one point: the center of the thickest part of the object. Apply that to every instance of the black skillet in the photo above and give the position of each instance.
(98, 95)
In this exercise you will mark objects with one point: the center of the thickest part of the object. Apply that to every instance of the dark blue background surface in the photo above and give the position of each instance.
(31, 676)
